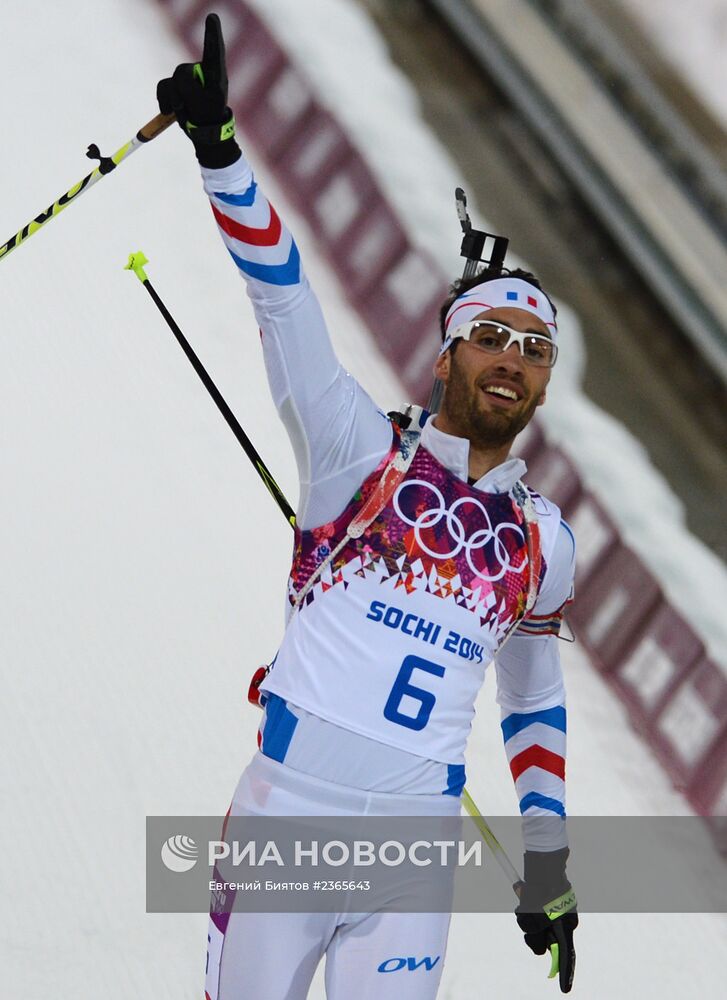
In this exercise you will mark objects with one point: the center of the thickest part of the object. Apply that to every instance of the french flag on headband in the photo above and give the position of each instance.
(499, 292)
(261, 247)
(516, 297)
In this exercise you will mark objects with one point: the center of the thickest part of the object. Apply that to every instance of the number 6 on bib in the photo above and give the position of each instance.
(402, 688)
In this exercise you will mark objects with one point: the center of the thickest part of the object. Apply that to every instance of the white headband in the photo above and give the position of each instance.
(495, 294)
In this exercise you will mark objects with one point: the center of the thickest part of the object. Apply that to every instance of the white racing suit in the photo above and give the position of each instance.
(371, 696)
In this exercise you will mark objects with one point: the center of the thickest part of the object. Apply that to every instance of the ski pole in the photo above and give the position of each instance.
(136, 264)
(493, 843)
(145, 134)
(506, 864)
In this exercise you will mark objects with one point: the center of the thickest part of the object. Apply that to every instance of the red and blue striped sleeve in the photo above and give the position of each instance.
(535, 743)
(531, 694)
(261, 246)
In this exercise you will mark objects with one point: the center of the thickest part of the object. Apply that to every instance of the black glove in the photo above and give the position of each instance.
(547, 911)
(197, 95)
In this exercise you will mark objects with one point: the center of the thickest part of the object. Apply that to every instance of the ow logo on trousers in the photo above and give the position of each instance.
(410, 964)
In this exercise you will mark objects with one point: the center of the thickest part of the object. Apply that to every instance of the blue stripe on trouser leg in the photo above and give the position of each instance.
(279, 727)
(455, 779)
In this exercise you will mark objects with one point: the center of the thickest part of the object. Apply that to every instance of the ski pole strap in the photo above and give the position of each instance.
(563, 904)
(210, 134)
(401, 457)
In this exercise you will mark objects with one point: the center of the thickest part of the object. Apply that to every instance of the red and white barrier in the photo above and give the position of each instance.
(611, 609)
(596, 536)
(665, 653)
(692, 731)
(676, 696)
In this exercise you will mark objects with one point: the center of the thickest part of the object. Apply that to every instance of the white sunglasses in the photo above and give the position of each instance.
(495, 338)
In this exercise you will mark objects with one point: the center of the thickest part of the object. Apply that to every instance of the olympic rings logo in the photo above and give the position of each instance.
(477, 540)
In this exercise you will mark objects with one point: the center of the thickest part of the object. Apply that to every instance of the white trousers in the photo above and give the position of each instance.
(369, 956)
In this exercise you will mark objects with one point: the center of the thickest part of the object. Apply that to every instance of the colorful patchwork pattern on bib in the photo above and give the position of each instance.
(437, 534)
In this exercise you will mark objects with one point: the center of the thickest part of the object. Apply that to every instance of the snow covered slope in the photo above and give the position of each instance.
(143, 563)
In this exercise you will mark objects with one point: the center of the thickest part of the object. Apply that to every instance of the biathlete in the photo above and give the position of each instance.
(417, 552)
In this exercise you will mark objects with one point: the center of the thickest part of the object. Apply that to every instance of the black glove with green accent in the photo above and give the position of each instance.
(197, 95)
(547, 912)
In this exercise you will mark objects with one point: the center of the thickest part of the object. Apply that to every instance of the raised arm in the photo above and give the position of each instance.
(337, 432)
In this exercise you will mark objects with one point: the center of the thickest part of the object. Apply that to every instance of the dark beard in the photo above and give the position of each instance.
(484, 430)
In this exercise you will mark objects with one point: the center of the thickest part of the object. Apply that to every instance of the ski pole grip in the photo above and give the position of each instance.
(154, 127)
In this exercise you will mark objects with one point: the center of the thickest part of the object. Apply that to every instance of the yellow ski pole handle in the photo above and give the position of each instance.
(145, 134)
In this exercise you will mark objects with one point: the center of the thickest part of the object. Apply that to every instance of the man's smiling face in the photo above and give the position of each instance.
(489, 398)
